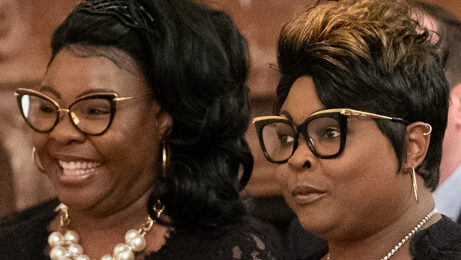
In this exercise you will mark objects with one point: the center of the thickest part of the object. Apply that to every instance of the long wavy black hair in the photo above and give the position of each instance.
(196, 63)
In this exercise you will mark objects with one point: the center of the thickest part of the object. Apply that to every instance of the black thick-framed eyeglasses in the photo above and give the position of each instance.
(91, 114)
(324, 131)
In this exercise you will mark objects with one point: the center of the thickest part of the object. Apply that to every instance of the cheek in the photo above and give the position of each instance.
(39, 140)
(282, 175)
(365, 177)
(133, 139)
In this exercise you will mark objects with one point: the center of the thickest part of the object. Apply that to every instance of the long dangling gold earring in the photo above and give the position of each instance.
(164, 158)
(415, 185)
(37, 160)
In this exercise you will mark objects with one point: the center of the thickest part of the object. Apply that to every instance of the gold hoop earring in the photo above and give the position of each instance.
(164, 158)
(37, 161)
(415, 185)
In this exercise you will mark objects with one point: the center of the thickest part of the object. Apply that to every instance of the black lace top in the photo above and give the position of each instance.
(441, 241)
(24, 236)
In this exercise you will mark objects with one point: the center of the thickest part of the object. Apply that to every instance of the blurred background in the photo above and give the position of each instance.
(25, 31)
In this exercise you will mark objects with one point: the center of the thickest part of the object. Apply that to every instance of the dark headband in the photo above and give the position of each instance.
(128, 12)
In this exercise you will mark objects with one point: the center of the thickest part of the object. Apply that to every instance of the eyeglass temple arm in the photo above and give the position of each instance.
(352, 112)
(261, 118)
(122, 98)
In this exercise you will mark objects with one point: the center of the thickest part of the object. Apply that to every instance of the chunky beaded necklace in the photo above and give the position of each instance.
(407, 237)
(65, 242)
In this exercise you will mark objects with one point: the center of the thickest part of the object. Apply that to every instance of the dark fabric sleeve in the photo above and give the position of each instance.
(252, 240)
(23, 235)
(441, 241)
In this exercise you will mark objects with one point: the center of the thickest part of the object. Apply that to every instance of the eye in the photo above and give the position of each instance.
(46, 108)
(285, 139)
(97, 111)
(331, 132)
(92, 108)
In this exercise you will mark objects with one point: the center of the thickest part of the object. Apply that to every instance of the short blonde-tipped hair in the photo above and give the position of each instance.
(370, 55)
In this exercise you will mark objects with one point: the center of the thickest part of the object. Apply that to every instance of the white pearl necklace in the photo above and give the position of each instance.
(65, 243)
(407, 237)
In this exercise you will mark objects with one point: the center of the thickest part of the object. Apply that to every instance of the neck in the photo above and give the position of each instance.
(380, 243)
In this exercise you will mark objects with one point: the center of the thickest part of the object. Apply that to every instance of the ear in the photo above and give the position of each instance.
(455, 106)
(418, 139)
(164, 121)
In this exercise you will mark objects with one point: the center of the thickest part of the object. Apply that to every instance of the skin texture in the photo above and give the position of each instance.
(363, 198)
(112, 198)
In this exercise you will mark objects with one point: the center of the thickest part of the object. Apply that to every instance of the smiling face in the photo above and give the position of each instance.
(349, 196)
(113, 169)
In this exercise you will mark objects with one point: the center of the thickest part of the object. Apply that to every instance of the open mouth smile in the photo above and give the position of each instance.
(78, 167)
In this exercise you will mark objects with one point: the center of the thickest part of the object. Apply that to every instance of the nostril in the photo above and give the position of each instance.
(307, 164)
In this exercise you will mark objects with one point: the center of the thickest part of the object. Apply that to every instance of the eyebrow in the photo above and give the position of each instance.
(290, 117)
(287, 114)
(87, 92)
(99, 90)
(49, 89)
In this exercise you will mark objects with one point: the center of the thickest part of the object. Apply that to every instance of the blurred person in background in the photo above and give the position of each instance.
(447, 28)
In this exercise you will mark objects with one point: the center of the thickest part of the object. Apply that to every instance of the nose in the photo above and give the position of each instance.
(302, 158)
(65, 131)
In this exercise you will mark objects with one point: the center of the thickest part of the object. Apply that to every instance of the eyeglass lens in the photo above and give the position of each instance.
(91, 115)
(323, 133)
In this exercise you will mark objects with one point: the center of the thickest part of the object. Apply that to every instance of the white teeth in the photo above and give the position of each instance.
(78, 167)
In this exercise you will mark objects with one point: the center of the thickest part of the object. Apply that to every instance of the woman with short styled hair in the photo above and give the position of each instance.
(358, 129)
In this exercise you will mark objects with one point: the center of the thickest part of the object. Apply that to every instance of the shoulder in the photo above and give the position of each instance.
(37, 212)
(248, 240)
(441, 241)
(24, 233)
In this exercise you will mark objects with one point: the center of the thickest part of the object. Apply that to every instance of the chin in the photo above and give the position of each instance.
(318, 227)
(77, 198)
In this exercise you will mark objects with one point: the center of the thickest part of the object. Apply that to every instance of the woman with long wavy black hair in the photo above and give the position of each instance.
(139, 124)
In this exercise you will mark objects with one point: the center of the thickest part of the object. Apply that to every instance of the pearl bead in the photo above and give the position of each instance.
(82, 257)
(126, 255)
(55, 239)
(120, 248)
(107, 257)
(72, 236)
(64, 258)
(130, 234)
(138, 243)
(57, 252)
(66, 246)
(75, 249)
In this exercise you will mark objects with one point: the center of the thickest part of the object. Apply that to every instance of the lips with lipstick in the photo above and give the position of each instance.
(306, 194)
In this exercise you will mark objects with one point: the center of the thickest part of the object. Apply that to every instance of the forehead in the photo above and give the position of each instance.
(302, 100)
(77, 70)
